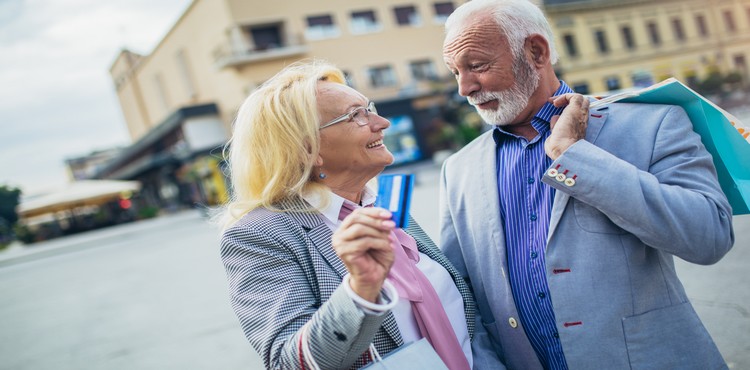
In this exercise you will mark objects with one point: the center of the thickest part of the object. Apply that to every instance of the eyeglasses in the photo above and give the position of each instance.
(360, 116)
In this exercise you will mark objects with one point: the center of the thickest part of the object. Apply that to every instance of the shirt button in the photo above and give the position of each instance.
(556, 335)
(533, 217)
(533, 255)
(531, 180)
(513, 323)
(541, 295)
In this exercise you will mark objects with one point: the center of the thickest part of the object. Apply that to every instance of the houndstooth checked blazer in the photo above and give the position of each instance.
(283, 272)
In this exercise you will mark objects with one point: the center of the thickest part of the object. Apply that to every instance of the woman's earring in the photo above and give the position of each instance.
(322, 175)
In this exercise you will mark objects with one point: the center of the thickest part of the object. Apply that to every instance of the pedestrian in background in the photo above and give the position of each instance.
(301, 252)
(567, 228)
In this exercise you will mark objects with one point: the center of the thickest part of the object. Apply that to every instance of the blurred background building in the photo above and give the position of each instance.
(607, 45)
(179, 101)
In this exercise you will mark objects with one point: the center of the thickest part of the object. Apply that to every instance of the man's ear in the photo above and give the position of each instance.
(537, 50)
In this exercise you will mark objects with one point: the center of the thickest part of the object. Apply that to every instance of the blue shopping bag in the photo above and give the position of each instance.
(719, 131)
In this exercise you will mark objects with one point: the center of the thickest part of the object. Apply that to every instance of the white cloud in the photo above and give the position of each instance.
(56, 97)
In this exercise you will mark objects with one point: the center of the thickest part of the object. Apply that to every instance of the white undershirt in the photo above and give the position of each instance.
(441, 281)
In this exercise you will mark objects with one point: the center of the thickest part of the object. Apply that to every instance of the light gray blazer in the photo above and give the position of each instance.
(645, 191)
(283, 272)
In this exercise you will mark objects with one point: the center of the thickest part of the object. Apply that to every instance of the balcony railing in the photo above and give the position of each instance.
(226, 55)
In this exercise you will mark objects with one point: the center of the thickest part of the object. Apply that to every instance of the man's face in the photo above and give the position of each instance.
(493, 81)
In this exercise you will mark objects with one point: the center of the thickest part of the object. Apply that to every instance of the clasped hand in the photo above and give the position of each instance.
(569, 127)
(363, 242)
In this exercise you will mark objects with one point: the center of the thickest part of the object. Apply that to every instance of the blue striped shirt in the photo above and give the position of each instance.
(525, 207)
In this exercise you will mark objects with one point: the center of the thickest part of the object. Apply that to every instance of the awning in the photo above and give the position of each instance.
(77, 194)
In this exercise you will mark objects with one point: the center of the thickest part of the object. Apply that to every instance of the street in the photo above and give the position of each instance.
(153, 295)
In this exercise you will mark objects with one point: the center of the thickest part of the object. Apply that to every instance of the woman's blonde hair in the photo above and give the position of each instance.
(275, 140)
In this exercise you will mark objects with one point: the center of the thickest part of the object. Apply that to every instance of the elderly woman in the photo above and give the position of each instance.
(303, 149)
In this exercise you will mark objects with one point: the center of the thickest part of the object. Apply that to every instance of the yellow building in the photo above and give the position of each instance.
(608, 45)
(219, 50)
(179, 101)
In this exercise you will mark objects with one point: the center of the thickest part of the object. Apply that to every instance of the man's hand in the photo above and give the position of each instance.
(570, 126)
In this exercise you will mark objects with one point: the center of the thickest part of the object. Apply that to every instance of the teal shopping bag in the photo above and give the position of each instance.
(719, 131)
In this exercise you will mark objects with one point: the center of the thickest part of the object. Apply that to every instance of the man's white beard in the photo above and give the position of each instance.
(512, 101)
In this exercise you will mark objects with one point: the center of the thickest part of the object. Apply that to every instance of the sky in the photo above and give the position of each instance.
(57, 99)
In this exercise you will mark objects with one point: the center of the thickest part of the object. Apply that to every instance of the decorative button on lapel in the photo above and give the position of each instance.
(570, 181)
(513, 323)
(552, 172)
(560, 177)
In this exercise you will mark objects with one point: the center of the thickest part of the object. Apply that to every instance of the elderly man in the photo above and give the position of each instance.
(566, 228)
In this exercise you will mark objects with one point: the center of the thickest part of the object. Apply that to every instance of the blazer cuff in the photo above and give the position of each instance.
(386, 301)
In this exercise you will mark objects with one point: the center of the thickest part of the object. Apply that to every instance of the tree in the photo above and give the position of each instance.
(9, 199)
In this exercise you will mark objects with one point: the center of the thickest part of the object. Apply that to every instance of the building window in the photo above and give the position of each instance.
(581, 88)
(266, 37)
(642, 79)
(161, 89)
(364, 22)
(679, 32)
(613, 83)
(570, 45)
(422, 70)
(627, 37)
(443, 10)
(729, 21)
(601, 42)
(700, 22)
(382, 76)
(321, 27)
(653, 33)
(407, 16)
(187, 77)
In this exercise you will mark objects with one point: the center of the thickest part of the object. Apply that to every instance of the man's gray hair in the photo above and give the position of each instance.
(517, 20)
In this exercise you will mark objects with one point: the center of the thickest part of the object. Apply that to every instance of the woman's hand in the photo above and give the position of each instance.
(363, 243)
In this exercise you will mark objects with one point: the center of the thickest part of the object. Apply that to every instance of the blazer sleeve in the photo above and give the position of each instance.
(674, 205)
(272, 294)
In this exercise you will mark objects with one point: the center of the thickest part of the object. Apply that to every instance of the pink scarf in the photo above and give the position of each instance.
(413, 285)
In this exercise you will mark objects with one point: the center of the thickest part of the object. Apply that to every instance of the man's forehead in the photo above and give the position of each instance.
(473, 30)
(474, 38)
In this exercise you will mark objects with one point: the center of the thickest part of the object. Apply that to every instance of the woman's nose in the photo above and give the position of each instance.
(377, 122)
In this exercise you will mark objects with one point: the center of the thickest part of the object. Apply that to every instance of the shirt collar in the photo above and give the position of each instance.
(331, 212)
(541, 119)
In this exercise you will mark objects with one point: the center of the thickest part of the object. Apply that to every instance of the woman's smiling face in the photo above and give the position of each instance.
(348, 149)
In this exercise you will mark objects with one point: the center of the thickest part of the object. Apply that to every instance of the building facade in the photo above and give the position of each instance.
(607, 45)
(220, 50)
(179, 101)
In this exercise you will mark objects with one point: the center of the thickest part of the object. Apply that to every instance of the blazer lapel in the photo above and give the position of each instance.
(486, 188)
(319, 234)
(595, 124)
(321, 242)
